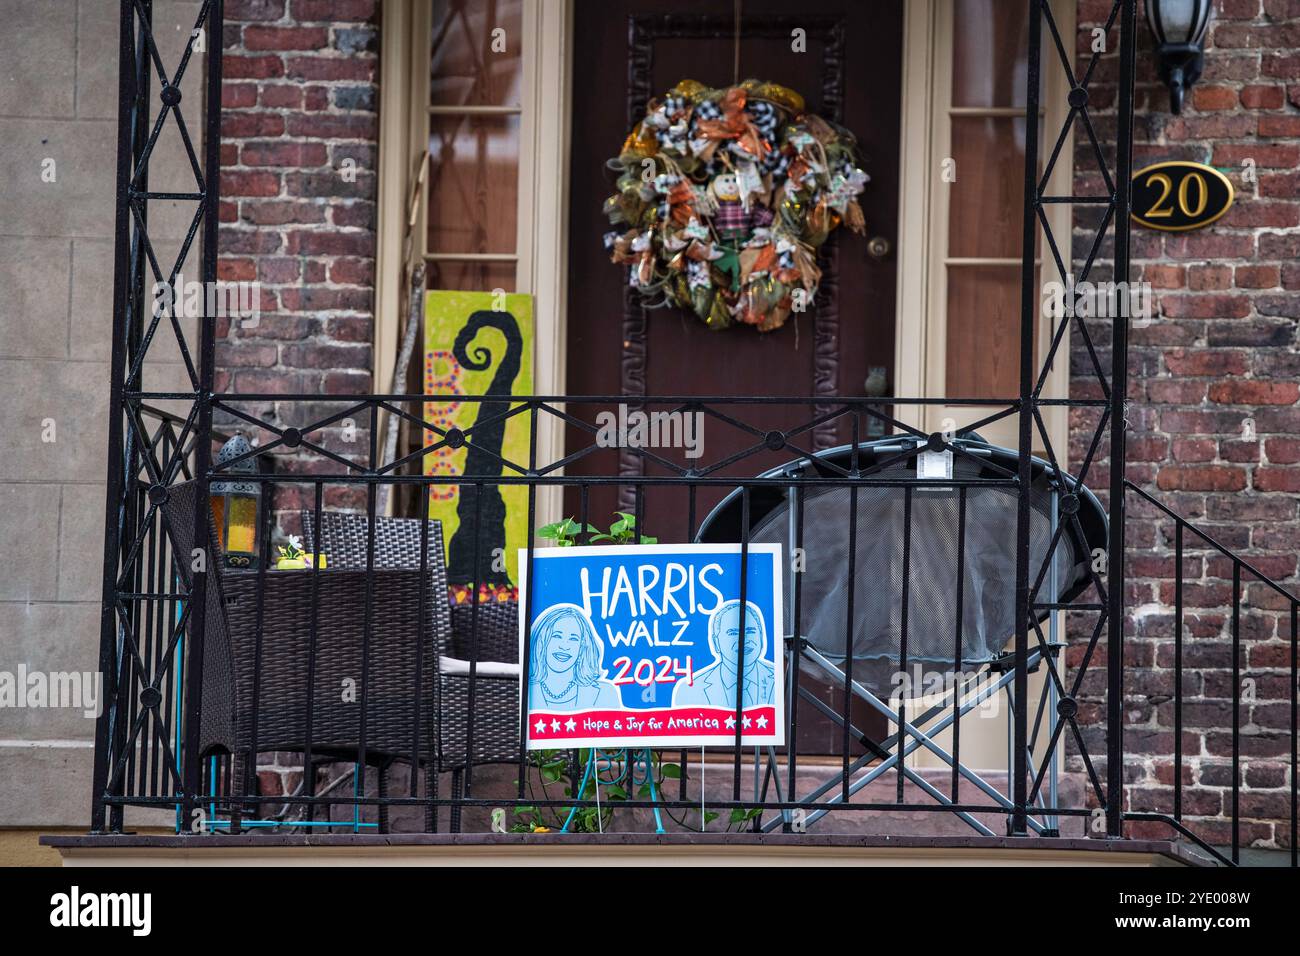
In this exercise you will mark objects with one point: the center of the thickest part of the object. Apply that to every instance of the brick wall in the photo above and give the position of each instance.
(1213, 420)
(300, 100)
(299, 142)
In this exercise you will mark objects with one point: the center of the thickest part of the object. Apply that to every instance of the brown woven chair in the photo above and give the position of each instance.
(276, 668)
(492, 696)
(217, 717)
(496, 698)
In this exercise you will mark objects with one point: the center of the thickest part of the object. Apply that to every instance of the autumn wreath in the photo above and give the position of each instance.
(724, 197)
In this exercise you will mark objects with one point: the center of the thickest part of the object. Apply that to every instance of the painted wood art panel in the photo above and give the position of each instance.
(478, 343)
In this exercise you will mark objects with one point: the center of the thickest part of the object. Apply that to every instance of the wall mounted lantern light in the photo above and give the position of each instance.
(1179, 28)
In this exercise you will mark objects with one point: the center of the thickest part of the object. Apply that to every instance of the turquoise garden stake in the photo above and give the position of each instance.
(636, 768)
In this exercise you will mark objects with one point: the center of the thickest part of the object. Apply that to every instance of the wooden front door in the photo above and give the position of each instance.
(626, 51)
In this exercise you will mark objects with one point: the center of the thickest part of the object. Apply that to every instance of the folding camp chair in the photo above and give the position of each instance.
(955, 537)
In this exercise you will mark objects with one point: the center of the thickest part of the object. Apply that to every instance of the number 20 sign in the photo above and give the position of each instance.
(1179, 195)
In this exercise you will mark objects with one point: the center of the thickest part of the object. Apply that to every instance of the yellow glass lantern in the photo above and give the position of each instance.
(237, 507)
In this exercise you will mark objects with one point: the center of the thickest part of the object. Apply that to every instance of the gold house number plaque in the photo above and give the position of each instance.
(1180, 195)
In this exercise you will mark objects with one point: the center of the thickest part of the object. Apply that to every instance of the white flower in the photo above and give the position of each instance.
(295, 542)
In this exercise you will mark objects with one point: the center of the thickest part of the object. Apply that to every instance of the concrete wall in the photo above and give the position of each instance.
(58, 101)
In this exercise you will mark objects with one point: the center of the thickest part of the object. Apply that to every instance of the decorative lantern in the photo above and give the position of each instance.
(237, 507)
(1179, 28)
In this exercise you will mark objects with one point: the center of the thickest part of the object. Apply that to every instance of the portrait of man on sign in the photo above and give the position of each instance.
(715, 684)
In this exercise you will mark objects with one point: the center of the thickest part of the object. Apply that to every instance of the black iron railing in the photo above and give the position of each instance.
(148, 767)
(154, 758)
(167, 620)
(1282, 620)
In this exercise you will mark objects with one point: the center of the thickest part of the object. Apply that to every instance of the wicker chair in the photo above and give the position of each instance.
(496, 691)
(492, 695)
(317, 630)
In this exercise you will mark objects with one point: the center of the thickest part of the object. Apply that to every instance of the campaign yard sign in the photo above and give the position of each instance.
(638, 646)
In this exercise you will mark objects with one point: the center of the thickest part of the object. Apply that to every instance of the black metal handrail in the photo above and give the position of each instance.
(1240, 566)
(167, 585)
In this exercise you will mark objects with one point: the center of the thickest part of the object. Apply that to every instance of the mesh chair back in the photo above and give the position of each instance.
(984, 561)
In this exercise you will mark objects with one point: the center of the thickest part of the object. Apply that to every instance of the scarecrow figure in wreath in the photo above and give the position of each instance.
(735, 222)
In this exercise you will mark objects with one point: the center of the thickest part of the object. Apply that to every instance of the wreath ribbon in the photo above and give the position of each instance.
(744, 186)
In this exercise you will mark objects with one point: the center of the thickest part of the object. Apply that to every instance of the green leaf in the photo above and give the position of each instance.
(709, 816)
(739, 815)
(615, 792)
(563, 533)
(672, 771)
(645, 790)
(551, 531)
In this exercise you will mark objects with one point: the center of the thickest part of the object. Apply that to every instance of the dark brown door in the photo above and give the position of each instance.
(626, 51)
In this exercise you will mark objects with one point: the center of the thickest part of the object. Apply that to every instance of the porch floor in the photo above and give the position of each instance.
(619, 849)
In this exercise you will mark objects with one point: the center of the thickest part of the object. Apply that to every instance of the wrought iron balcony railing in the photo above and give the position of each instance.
(208, 668)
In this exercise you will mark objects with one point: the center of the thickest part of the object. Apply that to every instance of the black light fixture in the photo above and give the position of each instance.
(1179, 28)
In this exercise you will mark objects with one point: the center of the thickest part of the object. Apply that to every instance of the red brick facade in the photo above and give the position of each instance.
(299, 142)
(1214, 421)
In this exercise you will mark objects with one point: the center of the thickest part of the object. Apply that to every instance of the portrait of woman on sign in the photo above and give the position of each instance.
(564, 671)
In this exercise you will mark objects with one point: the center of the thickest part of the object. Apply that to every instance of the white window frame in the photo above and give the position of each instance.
(541, 246)
(921, 331)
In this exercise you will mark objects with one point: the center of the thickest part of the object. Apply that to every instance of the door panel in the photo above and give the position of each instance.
(629, 50)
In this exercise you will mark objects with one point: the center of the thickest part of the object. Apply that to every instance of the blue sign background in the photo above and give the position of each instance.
(557, 579)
